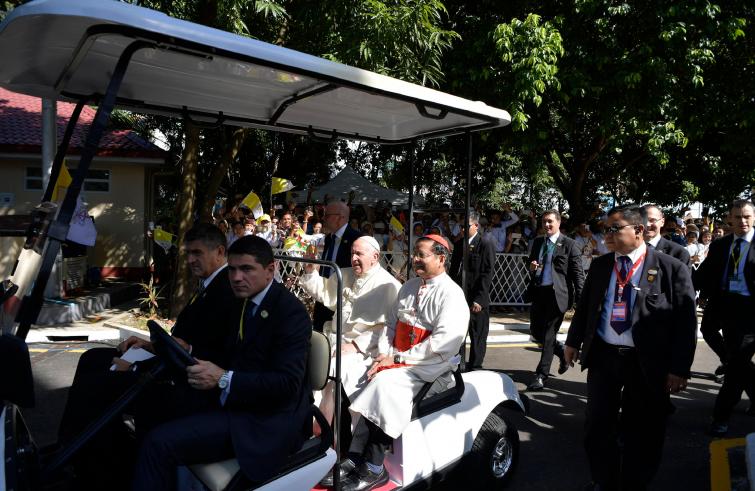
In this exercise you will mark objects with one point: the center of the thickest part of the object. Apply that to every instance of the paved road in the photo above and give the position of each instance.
(551, 451)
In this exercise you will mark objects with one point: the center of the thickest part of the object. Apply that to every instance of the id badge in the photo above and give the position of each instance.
(619, 312)
(736, 283)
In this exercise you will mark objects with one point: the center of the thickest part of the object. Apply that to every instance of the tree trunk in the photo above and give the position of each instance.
(218, 173)
(182, 284)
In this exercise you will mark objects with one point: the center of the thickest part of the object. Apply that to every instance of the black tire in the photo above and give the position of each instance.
(494, 455)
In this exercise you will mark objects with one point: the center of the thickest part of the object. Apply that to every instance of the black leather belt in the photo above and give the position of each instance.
(619, 349)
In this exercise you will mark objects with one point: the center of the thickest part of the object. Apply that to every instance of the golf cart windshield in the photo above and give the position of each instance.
(69, 49)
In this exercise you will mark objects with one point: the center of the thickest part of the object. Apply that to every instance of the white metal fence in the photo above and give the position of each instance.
(509, 283)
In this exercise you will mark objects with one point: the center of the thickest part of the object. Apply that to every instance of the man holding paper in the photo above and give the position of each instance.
(201, 327)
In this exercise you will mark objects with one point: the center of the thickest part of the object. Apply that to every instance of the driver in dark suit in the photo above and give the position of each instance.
(200, 327)
(636, 327)
(262, 395)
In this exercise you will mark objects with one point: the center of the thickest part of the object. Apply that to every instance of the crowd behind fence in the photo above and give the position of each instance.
(510, 276)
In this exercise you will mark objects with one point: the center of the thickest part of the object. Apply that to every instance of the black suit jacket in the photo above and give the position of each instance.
(343, 260)
(664, 323)
(269, 401)
(479, 268)
(673, 249)
(206, 322)
(568, 275)
(709, 276)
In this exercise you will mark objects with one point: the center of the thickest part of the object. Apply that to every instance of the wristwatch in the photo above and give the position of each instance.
(397, 359)
(224, 380)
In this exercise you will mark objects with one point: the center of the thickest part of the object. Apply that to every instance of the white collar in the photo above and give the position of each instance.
(340, 231)
(654, 241)
(635, 254)
(258, 298)
(206, 282)
(553, 238)
(747, 237)
(475, 235)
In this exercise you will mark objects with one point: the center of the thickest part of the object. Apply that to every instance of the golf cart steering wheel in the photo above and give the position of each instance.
(174, 355)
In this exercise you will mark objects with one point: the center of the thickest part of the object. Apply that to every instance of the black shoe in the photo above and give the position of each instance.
(538, 383)
(720, 370)
(562, 365)
(364, 479)
(345, 468)
(718, 429)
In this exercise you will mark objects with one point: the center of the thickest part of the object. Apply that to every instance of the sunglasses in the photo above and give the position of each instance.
(615, 229)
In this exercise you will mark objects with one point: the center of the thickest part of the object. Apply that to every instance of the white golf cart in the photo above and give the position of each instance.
(115, 54)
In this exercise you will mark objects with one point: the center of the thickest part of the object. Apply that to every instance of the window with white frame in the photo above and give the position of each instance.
(97, 180)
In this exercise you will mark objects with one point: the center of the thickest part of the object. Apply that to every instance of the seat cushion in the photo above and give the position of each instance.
(217, 475)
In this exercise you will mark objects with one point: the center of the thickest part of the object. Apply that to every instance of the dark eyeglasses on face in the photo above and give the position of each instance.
(615, 229)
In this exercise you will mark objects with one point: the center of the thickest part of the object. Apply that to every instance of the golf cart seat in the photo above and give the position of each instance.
(444, 391)
(226, 475)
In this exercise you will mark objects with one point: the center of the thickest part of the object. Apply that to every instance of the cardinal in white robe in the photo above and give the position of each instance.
(424, 333)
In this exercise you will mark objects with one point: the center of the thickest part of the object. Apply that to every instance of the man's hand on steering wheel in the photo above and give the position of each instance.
(204, 375)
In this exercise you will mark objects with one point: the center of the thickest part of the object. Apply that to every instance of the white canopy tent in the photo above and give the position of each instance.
(365, 192)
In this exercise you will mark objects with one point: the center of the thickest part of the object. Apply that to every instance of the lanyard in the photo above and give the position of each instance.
(622, 282)
(241, 321)
(739, 256)
(548, 247)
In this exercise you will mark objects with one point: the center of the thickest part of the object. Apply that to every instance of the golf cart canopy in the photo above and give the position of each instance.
(68, 49)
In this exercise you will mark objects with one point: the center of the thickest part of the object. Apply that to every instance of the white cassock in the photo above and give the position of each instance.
(366, 301)
(437, 306)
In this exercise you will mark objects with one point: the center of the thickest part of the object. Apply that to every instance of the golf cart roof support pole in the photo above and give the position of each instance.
(59, 228)
(410, 221)
(467, 206)
(337, 412)
(62, 149)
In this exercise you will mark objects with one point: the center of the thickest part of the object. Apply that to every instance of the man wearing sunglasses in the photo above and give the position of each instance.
(636, 327)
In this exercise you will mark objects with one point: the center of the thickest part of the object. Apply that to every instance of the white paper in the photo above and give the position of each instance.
(134, 354)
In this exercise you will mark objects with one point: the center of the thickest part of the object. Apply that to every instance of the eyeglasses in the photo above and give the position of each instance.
(422, 255)
(615, 229)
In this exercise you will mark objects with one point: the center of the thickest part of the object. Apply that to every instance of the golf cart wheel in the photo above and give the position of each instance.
(494, 453)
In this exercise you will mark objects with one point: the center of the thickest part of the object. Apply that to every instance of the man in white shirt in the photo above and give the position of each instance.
(498, 227)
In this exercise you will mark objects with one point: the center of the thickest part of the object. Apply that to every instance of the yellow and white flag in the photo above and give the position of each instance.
(63, 182)
(281, 185)
(163, 239)
(396, 225)
(252, 201)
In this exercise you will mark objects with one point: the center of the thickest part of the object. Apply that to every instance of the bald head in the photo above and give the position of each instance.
(336, 216)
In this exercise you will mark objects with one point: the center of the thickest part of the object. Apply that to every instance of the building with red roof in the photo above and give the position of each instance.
(116, 190)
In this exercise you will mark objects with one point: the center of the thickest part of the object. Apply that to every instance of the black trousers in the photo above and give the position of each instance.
(479, 326)
(710, 328)
(625, 422)
(739, 336)
(545, 320)
(195, 439)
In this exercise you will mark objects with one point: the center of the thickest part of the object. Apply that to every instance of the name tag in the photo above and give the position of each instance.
(619, 312)
(737, 283)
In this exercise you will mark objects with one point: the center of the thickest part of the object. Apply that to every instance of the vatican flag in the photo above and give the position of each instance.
(281, 185)
(252, 201)
(163, 239)
(396, 225)
(63, 182)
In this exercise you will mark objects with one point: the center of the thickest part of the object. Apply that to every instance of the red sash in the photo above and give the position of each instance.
(406, 337)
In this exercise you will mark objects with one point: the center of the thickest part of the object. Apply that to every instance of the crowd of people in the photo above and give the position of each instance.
(634, 330)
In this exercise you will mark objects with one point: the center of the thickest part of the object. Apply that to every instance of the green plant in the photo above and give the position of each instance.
(151, 296)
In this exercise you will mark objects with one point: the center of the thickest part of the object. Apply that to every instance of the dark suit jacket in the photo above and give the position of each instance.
(664, 324)
(343, 260)
(479, 268)
(206, 323)
(673, 249)
(709, 276)
(568, 275)
(269, 401)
